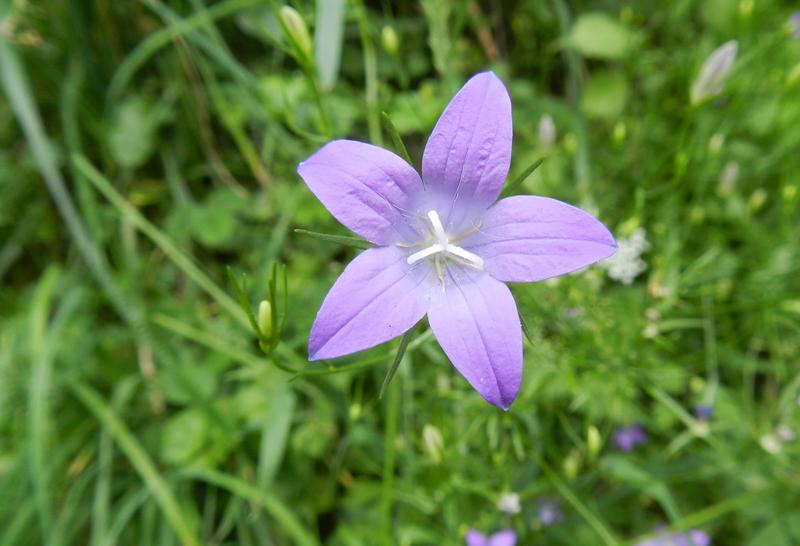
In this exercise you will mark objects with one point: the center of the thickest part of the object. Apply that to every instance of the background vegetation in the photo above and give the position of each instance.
(147, 145)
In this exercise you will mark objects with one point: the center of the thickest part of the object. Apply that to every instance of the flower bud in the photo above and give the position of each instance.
(757, 200)
(728, 178)
(389, 40)
(265, 317)
(433, 442)
(572, 465)
(789, 193)
(546, 132)
(715, 143)
(593, 441)
(620, 131)
(297, 32)
(712, 75)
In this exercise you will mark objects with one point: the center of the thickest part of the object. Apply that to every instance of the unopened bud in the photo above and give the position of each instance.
(593, 441)
(389, 40)
(789, 193)
(265, 317)
(757, 200)
(715, 143)
(728, 178)
(546, 132)
(712, 75)
(297, 32)
(572, 464)
(433, 442)
(620, 131)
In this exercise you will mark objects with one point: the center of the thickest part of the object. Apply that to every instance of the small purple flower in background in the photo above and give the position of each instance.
(506, 537)
(627, 438)
(695, 537)
(703, 412)
(550, 513)
(444, 247)
(794, 24)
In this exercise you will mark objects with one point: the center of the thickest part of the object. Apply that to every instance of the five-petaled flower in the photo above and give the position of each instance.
(506, 537)
(443, 246)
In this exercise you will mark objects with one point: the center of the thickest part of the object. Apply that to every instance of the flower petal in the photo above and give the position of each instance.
(476, 322)
(506, 537)
(368, 189)
(467, 156)
(476, 538)
(526, 238)
(377, 297)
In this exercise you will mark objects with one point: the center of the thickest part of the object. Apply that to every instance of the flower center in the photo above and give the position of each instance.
(443, 248)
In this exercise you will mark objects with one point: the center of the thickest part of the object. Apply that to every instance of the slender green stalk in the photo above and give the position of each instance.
(370, 76)
(594, 522)
(389, 448)
(39, 386)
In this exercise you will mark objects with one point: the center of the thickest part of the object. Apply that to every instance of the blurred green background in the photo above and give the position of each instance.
(148, 145)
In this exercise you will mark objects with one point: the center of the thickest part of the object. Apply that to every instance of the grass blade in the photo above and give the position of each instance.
(181, 260)
(141, 462)
(266, 500)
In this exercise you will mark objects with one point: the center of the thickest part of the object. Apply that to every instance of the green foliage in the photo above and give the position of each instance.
(162, 264)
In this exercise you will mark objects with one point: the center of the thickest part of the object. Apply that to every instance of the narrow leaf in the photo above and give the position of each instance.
(401, 351)
(525, 330)
(241, 296)
(397, 140)
(355, 242)
(512, 186)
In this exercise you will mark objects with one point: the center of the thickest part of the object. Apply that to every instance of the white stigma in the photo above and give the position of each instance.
(444, 246)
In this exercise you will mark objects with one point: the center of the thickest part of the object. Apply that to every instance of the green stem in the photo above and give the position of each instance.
(370, 76)
(387, 489)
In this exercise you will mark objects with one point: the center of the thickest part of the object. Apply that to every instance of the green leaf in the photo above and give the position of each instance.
(599, 36)
(605, 95)
(133, 134)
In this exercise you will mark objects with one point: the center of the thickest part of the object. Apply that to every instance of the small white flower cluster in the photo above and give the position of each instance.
(627, 263)
(509, 503)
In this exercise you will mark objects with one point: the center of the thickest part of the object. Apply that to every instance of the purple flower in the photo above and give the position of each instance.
(703, 412)
(794, 24)
(506, 537)
(627, 438)
(444, 247)
(550, 513)
(695, 537)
